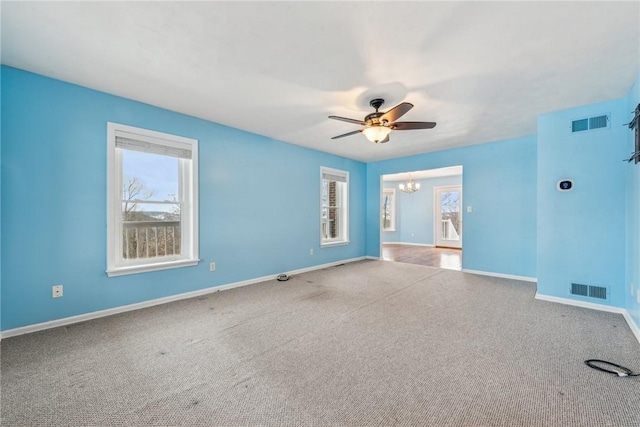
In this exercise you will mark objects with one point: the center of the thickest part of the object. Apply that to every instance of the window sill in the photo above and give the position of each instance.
(144, 268)
(389, 230)
(336, 243)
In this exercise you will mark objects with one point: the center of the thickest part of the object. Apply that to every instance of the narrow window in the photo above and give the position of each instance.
(152, 212)
(389, 209)
(334, 207)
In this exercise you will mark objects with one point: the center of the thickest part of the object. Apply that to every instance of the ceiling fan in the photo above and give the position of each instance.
(378, 125)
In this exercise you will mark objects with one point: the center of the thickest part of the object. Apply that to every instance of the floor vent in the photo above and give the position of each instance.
(590, 123)
(599, 292)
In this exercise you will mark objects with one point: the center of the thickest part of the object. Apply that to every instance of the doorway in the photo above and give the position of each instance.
(413, 227)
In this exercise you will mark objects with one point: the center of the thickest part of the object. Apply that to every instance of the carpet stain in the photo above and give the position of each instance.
(326, 294)
(242, 382)
(80, 379)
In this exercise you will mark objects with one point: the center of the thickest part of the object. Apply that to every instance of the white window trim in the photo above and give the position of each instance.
(344, 211)
(189, 185)
(392, 193)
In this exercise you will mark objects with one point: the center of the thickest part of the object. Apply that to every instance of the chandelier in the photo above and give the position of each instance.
(410, 186)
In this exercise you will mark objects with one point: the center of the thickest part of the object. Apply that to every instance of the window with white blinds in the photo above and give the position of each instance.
(152, 196)
(142, 143)
(334, 207)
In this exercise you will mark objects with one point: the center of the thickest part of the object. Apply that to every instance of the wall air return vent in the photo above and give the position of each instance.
(598, 122)
(590, 123)
(598, 292)
(578, 289)
(579, 125)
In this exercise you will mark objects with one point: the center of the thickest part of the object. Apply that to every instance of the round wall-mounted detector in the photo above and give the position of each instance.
(565, 185)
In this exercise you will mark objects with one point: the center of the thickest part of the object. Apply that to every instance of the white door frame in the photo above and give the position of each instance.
(437, 215)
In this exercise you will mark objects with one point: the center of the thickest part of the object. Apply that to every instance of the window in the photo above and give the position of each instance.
(334, 207)
(389, 209)
(152, 200)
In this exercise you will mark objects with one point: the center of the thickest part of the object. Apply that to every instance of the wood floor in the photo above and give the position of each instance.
(450, 259)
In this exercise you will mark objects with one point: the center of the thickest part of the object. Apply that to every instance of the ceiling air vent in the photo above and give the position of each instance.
(598, 292)
(590, 123)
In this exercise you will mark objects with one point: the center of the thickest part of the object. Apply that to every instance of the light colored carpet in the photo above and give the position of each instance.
(368, 343)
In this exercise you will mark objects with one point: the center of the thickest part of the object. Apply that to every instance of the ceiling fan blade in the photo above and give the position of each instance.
(396, 112)
(347, 134)
(345, 119)
(412, 125)
(386, 139)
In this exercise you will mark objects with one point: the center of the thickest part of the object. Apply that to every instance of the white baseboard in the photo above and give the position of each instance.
(632, 325)
(593, 306)
(503, 276)
(150, 303)
(577, 303)
(428, 245)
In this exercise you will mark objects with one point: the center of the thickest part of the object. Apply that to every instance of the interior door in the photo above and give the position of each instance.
(448, 216)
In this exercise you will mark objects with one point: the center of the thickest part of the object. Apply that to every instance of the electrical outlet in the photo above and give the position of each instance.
(311, 251)
(212, 266)
(56, 291)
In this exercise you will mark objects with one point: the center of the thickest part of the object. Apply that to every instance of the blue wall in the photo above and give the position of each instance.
(633, 215)
(581, 233)
(257, 219)
(259, 202)
(499, 182)
(414, 212)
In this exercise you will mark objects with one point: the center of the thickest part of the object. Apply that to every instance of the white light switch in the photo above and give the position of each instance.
(469, 209)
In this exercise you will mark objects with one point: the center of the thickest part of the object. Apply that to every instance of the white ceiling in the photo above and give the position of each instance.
(483, 71)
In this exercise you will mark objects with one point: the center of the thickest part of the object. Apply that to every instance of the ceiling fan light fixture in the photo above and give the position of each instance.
(376, 133)
(378, 125)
